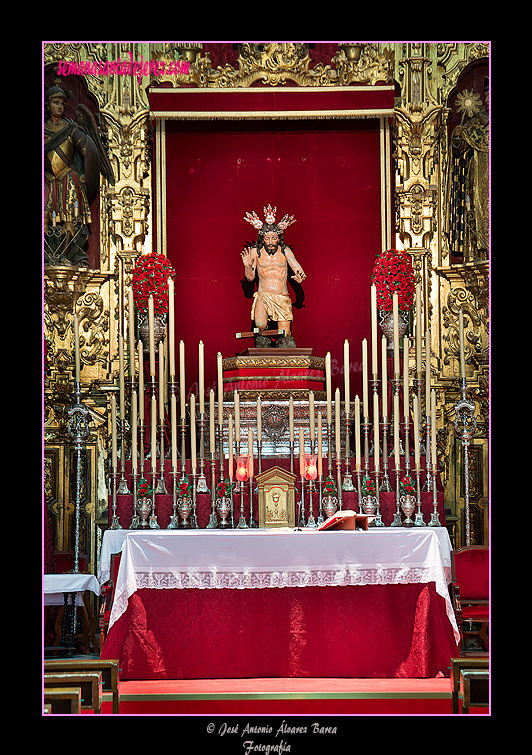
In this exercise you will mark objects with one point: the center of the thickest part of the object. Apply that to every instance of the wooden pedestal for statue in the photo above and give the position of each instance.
(274, 374)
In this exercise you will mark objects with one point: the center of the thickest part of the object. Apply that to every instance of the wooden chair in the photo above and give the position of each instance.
(89, 683)
(108, 669)
(474, 689)
(107, 597)
(63, 699)
(464, 664)
(470, 593)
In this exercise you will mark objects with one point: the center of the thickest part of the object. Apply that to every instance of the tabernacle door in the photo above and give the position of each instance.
(276, 498)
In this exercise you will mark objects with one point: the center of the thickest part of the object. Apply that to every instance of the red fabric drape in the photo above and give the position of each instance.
(375, 631)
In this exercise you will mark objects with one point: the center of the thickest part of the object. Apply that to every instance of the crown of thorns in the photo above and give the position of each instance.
(269, 219)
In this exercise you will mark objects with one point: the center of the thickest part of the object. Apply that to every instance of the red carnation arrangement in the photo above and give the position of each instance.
(143, 488)
(368, 487)
(407, 486)
(393, 273)
(150, 278)
(329, 488)
(224, 488)
(185, 488)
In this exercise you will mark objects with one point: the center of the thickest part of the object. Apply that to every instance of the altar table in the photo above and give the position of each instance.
(258, 603)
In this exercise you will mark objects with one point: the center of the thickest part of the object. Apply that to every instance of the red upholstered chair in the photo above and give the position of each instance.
(470, 593)
(107, 597)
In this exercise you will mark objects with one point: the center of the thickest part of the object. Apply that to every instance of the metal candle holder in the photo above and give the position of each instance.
(418, 520)
(174, 519)
(122, 486)
(154, 525)
(252, 522)
(161, 485)
(213, 519)
(385, 485)
(348, 480)
(242, 521)
(465, 426)
(202, 482)
(397, 522)
(135, 518)
(434, 518)
(320, 519)
(78, 430)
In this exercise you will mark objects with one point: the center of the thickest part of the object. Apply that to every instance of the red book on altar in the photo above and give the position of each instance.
(345, 520)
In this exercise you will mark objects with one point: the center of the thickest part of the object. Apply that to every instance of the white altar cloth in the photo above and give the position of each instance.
(254, 559)
(55, 585)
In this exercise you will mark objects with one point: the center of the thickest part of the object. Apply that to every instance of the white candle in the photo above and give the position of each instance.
(328, 386)
(201, 379)
(230, 443)
(121, 375)
(153, 433)
(173, 410)
(151, 325)
(220, 389)
(365, 379)
(131, 336)
(396, 446)
(395, 305)
(141, 383)
(76, 347)
(291, 418)
(384, 355)
(250, 452)
(161, 382)
(374, 348)
(357, 433)
(376, 441)
(416, 431)
(320, 449)
(337, 419)
(134, 431)
(347, 389)
(182, 379)
(171, 329)
(237, 418)
(113, 433)
(462, 347)
(212, 436)
(311, 414)
(433, 429)
(406, 378)
(418, 330)
(193, 433)
(259, 420)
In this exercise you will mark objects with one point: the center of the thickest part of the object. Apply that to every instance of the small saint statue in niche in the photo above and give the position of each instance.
(270, 258)
(74, 159)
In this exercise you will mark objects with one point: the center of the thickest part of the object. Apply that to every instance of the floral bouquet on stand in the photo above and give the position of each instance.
(224, 489)
(150, 278)
(184, 488)
(393, 273)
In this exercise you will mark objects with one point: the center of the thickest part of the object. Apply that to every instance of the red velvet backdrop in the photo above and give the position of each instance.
(326, 174)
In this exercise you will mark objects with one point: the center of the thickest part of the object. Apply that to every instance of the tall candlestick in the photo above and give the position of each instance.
(153, 434)
(291, 418)
(384, 356)
(121, 375)
(259, 420)
(193, 433)
(320, 446)
(301, 453)
(427, 373)
(416, 431)
(230, 445)
(76, 348)
(182, 379)
(151, 325)
(462, 347)
(220, 389)
(141, 382)
(212, 438)
(161, 383)
(376, 440)
(173, 410)
(113, 434)
(418, 330)
(433, 427)
(131, 336)
(395, 305)
(311, 415)
(250, 452)
(337, 419)
(134, 431)
(357, 433)
(201, 378)
(171, 329)
(365, 379)
(237, 418)
(328, 386)
(406, 399)
(347, 388)
(374, 347)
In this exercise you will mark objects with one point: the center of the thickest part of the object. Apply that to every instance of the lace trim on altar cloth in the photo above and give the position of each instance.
(246, 580)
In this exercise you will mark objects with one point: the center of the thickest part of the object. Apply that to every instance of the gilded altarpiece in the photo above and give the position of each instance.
(428, 80)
